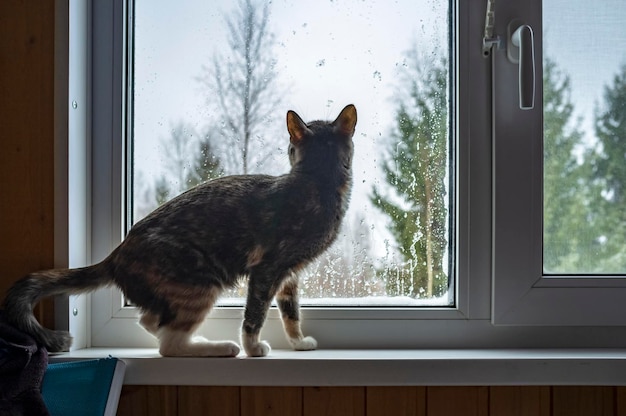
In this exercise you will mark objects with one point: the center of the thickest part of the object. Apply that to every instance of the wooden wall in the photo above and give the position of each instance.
(373, 401)
(26, 140)
(26, 244)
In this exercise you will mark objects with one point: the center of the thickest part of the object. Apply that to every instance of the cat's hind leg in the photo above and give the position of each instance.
(176, 336)
(287, 299)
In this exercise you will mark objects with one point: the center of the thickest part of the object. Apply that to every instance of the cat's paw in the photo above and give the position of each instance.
(199, 347)
(259, 349)
(208, 348)
(225, 349)
(304, 344)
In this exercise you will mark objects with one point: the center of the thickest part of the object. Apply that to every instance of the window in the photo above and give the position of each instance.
(230, 70)
(494, 185)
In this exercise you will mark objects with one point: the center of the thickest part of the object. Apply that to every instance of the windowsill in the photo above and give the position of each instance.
(372, 367)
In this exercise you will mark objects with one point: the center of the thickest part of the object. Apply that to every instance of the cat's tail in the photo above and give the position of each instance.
(26, 292)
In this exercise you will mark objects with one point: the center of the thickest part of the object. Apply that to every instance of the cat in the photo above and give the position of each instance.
(174, 263)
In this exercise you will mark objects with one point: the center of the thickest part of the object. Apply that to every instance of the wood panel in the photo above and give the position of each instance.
(148, 400)
(583, 401)
(519, 401)
(620, 401)
(373, 401)
(26, 148)
(457, 401)
(334, 401)
(195, 400)
(397, 401)
(271, 401)
(26, 139)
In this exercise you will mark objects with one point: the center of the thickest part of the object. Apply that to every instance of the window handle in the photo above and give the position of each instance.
(521, 50)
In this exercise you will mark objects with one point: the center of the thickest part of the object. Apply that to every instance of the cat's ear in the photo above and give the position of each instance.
(346, 121)
(296, 127)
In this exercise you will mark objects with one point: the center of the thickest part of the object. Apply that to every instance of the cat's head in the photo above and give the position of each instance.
(320, 141)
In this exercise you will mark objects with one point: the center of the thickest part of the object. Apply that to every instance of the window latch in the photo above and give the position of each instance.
(489, 39)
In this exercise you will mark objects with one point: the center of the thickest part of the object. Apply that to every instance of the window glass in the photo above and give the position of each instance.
(212, 84)
(584, 86)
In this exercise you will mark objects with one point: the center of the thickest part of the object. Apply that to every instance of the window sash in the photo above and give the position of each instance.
(522, 294)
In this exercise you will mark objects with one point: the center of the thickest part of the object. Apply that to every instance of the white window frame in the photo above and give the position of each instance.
(498, 283)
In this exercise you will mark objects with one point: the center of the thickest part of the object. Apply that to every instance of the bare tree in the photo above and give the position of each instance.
(243, 85)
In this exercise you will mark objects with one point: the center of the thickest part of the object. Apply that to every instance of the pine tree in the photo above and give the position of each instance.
(205, 166)
(609, 170)
(569, 232)
(416, 168)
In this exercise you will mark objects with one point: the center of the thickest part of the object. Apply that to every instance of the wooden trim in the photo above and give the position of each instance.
(374, 401)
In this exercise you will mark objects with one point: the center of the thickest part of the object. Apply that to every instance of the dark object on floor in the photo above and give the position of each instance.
(22, 366)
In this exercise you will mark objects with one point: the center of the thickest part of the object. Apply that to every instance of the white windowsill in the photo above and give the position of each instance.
(372, 367)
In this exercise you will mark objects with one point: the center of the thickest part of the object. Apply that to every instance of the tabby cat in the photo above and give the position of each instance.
(174, 263)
